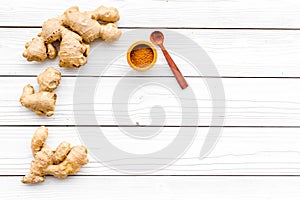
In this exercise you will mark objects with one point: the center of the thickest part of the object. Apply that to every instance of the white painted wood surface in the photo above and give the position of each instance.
(255, 47)
(161, 188)
(166, 13)
(240, 151)
(238, 53)
(249, 102)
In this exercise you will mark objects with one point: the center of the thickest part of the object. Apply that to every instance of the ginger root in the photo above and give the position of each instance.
(38, 139)
(83, 26)
(49, 79)
(73, 52)
(42, 102)
(87, 26)
(60, 163)
(38, 51)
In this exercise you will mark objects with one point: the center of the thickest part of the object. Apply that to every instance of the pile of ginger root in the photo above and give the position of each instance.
(64, 161)
(74, 29)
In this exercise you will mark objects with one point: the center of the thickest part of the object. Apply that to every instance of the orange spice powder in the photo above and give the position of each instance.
(141, 56)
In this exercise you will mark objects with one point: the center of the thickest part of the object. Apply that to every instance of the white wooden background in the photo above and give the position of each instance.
(255, 47)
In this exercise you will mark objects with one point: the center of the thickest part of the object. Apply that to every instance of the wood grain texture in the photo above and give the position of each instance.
(160, 188)
(235, 53)
(160, 13)
(239, 151)
(244, 38)
(249, 102)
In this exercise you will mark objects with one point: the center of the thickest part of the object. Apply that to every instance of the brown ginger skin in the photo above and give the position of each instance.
(35, 50)
(74, 51)
(41, 161)
(89, 29)
(76, 158)
(60, 163)
(38, 139)
(104, 14)
(51, 51)
(42, 102)
(61, 152)
(49, 79)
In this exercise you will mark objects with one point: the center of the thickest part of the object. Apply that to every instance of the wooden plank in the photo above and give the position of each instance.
(249, 102)
(239, 151)
(160, 188)
(236, 53)
(191, 13)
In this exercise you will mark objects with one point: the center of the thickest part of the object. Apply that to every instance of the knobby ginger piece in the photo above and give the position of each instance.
(89, 29)
(38, 139)
(73, 52)
(76, 158)
(84, 27)
(49, 79)
(42, 102)
(41, 161)
(61, 152)
(36, 50)
(104, 14)
(60, 163)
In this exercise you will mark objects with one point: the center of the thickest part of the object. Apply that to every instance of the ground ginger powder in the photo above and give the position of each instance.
(141, 56)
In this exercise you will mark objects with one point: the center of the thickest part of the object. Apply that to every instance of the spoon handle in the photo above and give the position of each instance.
(179, 77)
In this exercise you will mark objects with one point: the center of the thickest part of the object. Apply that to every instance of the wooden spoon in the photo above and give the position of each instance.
(157, 38)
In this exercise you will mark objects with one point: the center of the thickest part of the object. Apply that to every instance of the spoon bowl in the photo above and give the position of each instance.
(157, 37)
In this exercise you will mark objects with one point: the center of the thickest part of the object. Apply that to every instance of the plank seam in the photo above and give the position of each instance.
(118, 76)
(176, 175)
(187, 28)
(145, 126)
